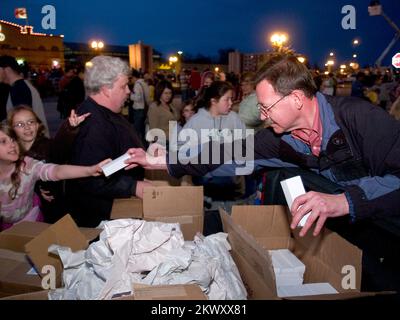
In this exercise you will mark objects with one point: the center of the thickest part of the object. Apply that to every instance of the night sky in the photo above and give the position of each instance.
(204, 26)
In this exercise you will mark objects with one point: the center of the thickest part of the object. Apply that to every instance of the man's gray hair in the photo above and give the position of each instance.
(103, 71)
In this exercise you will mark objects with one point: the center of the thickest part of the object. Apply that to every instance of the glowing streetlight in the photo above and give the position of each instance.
(301, 59)
(354, 56)
(216, 69)
(278, 40)
(331, 54)
(173, 59)
(356, 42)
(180, 52)
(97, 44)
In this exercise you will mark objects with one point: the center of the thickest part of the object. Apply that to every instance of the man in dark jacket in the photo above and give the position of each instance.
(342, 141)
(104, 133)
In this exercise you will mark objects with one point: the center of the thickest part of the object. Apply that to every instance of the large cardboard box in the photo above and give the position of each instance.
(167, 204)
(170, 292)
(15, 264)
(161, 178)
(65, 232)
(253, 230)
(15, 276)
(16, 237)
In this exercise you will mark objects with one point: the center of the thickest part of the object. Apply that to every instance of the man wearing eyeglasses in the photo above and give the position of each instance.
(347, 149)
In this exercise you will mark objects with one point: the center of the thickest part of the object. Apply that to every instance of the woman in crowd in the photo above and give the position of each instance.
(161, 112)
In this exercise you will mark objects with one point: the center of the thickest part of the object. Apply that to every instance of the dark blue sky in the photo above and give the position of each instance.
(204, 26)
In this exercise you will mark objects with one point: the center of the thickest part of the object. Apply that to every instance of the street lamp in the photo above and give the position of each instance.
(278, 40)
(301, 59)
(331, 54)
(330, 64)
(354, 56)
(97, 45)
(356, 42)
(173, 59)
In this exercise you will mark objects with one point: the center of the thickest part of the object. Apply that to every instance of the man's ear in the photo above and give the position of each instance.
(105, 91)
(299, 97)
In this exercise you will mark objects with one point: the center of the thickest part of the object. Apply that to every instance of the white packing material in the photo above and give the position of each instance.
(227, 283)
(128, 249)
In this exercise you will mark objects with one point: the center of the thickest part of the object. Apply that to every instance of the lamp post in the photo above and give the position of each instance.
(278, 40)
(172, 62)
(375, 9)
(96, 45)
(330, 64)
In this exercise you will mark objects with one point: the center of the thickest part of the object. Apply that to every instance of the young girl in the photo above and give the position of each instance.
(18, 175)
(29, 131)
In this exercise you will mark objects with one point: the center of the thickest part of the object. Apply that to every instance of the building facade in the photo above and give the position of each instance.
(245, 62)
(141, 57)
(38, 50)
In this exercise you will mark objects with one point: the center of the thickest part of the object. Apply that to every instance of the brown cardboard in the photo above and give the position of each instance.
(168, 204)
(127, 208)
(253, 230)
(161, 178)
(13, 274)
(168, 201)
(170, 292)
(65, 233)
(16, 237)
(20, 234)
(38, 295)
(175, 204)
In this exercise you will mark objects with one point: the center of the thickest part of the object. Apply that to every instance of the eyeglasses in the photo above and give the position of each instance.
(263, 108)
(22, 124)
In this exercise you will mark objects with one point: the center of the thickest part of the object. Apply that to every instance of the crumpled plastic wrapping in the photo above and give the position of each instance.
(153, 253)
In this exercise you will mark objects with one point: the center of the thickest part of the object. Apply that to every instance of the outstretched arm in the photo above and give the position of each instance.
(62, 172)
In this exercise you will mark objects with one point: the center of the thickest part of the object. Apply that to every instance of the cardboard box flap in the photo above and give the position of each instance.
(27, 228)
(90, 233)
(127, 208)
(38, 295)
(14, 277)
(172, 201)
(20, 234)
(65, 233)
(159, 176)
(257, 259)
(169, 292)
(326, 255)
(262, 221)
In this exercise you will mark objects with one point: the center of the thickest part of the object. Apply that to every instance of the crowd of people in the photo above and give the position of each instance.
(345, 148)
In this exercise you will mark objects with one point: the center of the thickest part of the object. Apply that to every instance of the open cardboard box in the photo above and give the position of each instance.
(167, 204)
(170, 292)
(65, 233)
(14, 263)
(253, 230)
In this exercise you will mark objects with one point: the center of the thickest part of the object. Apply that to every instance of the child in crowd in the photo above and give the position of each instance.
(29, 132)
(18, 175)
(187, 111)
